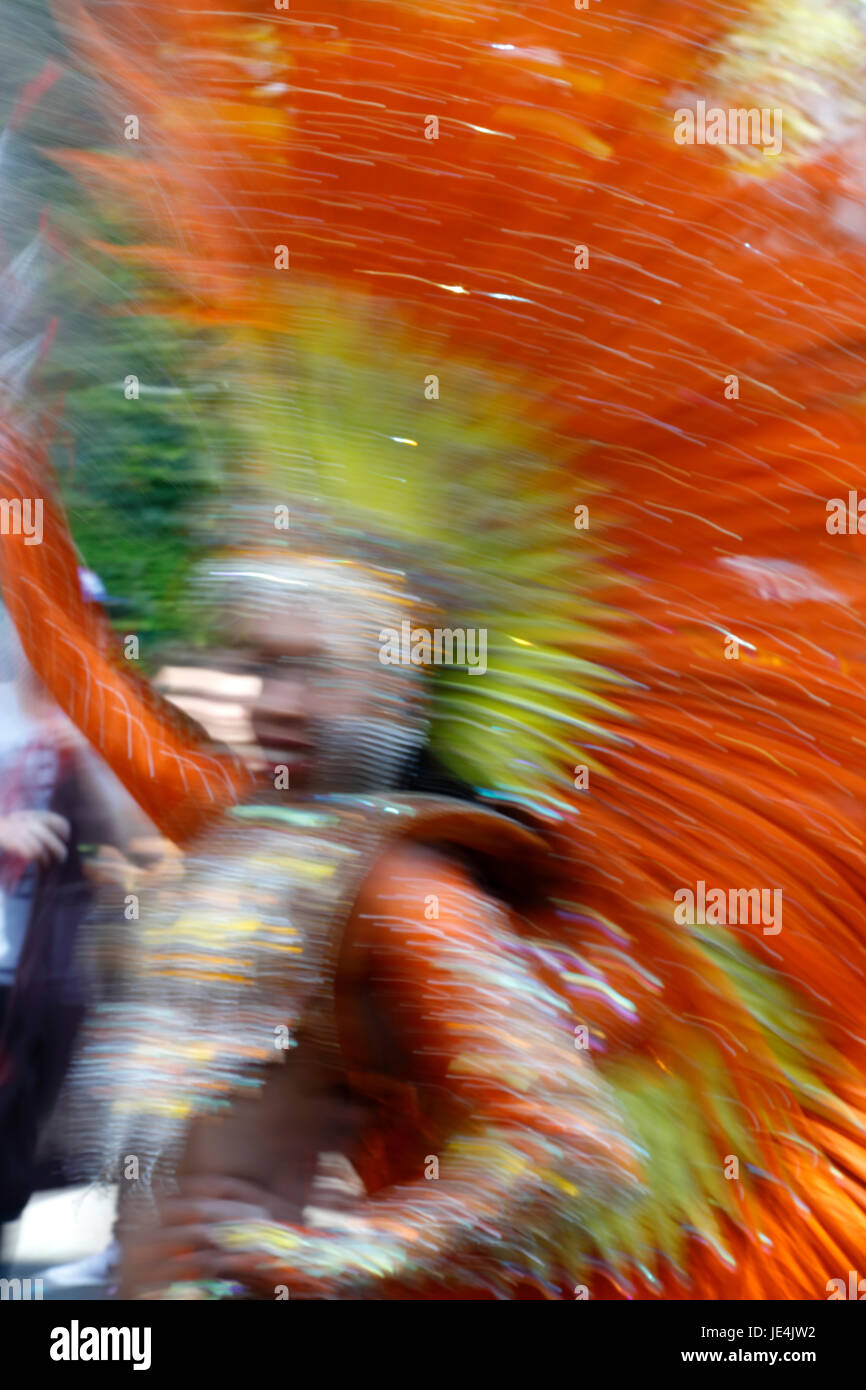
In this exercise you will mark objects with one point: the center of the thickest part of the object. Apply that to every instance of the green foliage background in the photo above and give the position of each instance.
(136, 476)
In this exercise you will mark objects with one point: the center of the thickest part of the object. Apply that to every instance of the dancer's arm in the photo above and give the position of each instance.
(158, 754)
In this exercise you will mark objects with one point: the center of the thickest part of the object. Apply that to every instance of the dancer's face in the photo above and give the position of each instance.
(326, 707)
(320, 698)
(289, 653)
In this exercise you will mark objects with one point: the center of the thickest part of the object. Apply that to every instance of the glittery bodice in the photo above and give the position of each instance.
(231, 961)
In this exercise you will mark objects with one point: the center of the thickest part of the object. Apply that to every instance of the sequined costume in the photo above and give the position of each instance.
(676, 679)
(255, 955)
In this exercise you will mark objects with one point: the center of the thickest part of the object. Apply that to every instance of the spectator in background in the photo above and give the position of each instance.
(42, 896)
(55, 796)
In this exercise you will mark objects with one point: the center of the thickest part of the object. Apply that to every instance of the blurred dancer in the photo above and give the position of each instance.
(302, 957)
(344, 916)
(637, 451)
(286, 1000)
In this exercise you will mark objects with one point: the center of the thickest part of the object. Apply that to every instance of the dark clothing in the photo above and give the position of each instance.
(41, 1013)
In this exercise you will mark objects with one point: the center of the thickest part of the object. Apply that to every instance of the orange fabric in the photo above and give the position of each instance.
(157, 754)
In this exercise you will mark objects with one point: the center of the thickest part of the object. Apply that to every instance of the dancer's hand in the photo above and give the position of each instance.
(184, 1244)
(34, 836)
